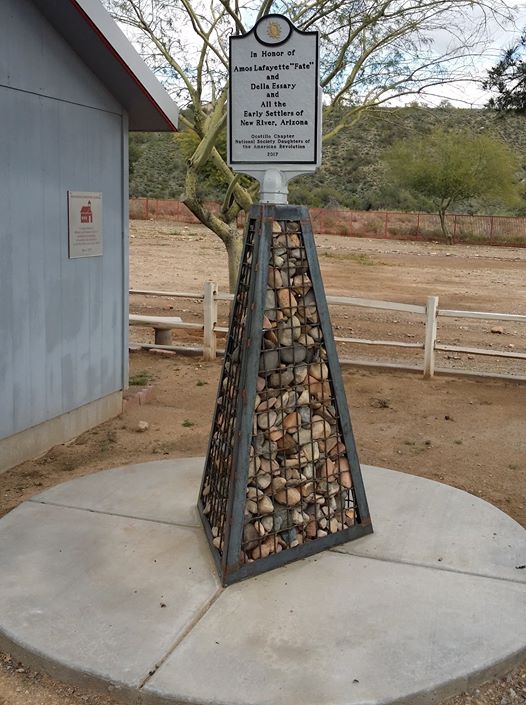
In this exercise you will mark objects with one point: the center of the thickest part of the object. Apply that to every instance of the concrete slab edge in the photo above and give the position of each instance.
(415, 564)
(431, 695)
(39, 661)
(436, 693)
(128, 695)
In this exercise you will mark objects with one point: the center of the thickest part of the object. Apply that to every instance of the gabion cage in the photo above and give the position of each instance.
(282, 478)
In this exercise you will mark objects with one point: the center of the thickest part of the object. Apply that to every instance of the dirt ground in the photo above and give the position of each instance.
(169, 256)
(465, 432)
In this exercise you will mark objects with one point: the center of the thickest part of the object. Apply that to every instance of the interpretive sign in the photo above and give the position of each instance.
(85, 224)
(274, 115)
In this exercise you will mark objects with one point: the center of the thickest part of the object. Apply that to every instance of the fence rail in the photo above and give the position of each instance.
(394, 225)
(430, 312)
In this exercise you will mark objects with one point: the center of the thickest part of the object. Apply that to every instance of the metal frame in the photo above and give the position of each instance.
(228, 457)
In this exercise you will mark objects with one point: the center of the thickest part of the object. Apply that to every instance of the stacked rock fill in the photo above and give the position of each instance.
(299, 485)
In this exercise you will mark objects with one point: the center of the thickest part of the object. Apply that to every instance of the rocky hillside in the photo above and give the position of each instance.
(352, 174)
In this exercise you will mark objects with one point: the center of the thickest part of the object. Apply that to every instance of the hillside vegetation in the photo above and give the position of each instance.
(353, 173)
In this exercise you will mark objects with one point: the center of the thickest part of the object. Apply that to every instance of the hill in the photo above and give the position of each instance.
(352, 174)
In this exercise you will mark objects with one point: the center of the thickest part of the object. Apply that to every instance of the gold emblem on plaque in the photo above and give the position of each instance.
(274, 30)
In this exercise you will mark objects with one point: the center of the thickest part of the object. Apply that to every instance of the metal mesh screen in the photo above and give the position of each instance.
(282, 478)
(216, 485)
(299, 481)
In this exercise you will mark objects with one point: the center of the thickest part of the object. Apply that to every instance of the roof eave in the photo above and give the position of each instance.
(97, 39)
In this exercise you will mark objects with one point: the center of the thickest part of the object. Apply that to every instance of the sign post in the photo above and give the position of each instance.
(274, 105)
(282, 479)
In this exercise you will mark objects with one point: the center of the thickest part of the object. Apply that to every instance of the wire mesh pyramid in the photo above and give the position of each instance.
(282, 478)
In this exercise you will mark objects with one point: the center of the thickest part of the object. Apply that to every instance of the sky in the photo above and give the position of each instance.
(470, 94)
(467, 94)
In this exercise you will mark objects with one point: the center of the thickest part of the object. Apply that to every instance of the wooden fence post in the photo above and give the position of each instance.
(430, 336)
(209, 321)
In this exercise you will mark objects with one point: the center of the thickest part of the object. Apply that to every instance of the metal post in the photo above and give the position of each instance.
(430, 336)
(210, 320)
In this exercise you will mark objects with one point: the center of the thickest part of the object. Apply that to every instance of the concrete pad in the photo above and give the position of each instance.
(86, 566)
(346, 631)
(427, 523)
(415, 520)
(86, 591)
(163, 490)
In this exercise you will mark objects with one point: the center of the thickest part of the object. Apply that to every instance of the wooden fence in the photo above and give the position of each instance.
(429, 312)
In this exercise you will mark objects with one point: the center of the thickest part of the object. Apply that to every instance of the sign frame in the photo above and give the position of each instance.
(251, 164)
(85, 234)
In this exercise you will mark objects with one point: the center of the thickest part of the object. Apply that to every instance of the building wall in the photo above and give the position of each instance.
(62, 325)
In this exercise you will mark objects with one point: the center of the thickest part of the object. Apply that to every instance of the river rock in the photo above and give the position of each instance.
(291, 421)
(252, 492)
(290, 536)
(269, 360)
(300, 373)
(337, 449)
(282, 401)
(267, 419)
(334, 526)
(283, 378)
(290, 496)
(326, 470)
(307, 489)
(303, 436)
(307, 470)
(251, 506)
(349, 517)
(319, 371)
(320, 428)
(265, 505)
(287, 444)
(268, 466)
(263, 480)
(270, 305)
(311, 529)
(274, 278)
(311, 451)
(278, 483)
(287, 301)
(267, 404)
(275, 434)
(293, 354)
(250, 537)
(264, 549)
(303, 398)
(267, 522)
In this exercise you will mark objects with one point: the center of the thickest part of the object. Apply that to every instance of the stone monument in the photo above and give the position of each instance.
(282, 478)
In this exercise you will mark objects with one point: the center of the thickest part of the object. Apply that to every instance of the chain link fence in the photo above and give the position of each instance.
(464, 228)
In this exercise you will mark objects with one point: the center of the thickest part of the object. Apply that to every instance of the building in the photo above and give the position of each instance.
(71, 86)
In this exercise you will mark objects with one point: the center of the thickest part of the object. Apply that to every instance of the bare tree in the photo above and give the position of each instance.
(372, 51)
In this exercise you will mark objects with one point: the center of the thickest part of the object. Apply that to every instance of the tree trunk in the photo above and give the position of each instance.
(234, 248)
(443, 225)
